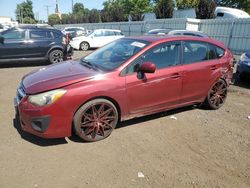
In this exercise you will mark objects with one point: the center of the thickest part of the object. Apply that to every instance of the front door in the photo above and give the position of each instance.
(159, 90)
(13, 45)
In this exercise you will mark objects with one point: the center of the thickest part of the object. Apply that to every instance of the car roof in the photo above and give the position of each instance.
(108, 30)
(169, 38)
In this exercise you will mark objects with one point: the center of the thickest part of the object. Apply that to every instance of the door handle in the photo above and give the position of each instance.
(175, 75)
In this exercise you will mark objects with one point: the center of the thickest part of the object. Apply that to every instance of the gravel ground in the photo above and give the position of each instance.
(196, 148)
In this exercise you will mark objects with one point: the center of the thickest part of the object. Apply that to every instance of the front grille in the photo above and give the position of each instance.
(20, 93)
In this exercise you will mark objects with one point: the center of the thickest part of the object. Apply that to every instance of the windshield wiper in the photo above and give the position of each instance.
(89, 64)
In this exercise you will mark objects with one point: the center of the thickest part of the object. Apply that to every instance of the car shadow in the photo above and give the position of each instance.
(34, 139)
(134, 121)
(17, 64)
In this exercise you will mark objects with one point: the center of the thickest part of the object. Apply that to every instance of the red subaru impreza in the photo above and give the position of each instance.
(127, 78)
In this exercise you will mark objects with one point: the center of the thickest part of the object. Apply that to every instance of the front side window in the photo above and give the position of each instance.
(14, 34)
(195, 52)
(163, 55)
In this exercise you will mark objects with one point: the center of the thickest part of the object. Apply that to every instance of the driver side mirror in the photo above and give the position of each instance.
(147, 67)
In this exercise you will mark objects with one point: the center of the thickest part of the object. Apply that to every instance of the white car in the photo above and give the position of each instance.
(74, 31)
(96, 39)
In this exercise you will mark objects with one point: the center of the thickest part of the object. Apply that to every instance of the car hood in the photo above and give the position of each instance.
(56, 76)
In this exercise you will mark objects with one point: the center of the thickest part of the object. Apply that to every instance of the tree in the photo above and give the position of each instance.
(24, 12)
(113, 11)
(78, 8)
(164, 9)
(185, 4)
(94, 16)
(240, 4)
(54, 19)
(136, 8)
(205, 9)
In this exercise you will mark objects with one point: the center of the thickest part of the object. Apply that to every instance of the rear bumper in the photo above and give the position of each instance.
(243, 69)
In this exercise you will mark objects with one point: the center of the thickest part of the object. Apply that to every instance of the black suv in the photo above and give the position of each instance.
(26, 43)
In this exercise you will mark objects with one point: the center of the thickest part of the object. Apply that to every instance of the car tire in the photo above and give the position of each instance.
(95, 120)
(55, 56)
(217, 95)
(84, 46)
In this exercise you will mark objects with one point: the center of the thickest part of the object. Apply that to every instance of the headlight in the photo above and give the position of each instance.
(46, 98)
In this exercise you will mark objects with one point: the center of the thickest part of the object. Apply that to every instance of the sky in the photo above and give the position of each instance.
(8, 7)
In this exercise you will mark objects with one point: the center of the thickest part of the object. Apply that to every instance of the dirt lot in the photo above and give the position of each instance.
(200, 148)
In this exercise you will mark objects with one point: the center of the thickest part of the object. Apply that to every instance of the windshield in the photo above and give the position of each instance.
(115, 54)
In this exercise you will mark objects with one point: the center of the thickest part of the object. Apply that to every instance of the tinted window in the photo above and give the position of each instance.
(163, 55)
(195, 52)
(14, 34)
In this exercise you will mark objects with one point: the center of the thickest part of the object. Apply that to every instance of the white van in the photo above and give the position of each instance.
(225, 12)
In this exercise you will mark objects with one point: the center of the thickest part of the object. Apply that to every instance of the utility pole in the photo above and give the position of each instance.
(72, 5)
(47, 8)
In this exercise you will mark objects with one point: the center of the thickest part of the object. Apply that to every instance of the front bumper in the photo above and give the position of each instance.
(45, 122)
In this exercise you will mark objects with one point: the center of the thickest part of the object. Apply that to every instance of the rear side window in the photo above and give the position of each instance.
(195, 52)
(215, 52)
(39, 34)
(220, 52)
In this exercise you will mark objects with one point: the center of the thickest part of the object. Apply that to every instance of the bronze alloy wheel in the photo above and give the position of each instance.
(217, 95)
(95, 120)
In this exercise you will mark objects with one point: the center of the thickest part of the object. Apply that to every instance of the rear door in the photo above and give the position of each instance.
(200, 69)
(158, 90)
(98, 39)
(14, 44)
(39, 42)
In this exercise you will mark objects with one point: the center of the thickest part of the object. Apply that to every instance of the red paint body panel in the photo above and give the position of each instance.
(166, 88)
